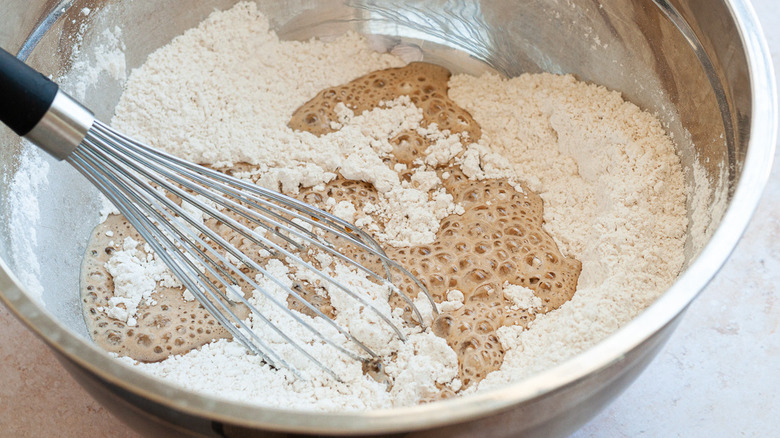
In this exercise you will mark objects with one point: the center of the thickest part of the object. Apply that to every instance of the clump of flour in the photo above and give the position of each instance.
(136, 275)
(610, 179)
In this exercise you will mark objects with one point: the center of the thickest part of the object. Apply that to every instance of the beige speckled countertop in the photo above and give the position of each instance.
(39, 398)
(718, 376)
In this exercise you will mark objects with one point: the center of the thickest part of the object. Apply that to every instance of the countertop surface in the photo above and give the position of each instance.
(719, 375)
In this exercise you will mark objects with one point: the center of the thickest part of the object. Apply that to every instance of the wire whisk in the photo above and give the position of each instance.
(156, 192)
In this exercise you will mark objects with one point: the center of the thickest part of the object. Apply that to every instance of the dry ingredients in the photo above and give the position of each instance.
(611, 183)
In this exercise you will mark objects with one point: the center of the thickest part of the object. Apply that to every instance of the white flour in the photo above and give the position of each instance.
(136, 275)
(24, 188)
(611, 182)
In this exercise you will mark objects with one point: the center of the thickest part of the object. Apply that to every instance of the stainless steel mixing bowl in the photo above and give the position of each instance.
(701, 65)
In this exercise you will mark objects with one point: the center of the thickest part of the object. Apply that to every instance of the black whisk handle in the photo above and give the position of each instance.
(25, 94)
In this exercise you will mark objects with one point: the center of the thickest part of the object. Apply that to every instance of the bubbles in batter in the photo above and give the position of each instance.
(170, 325)
(425, 84)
